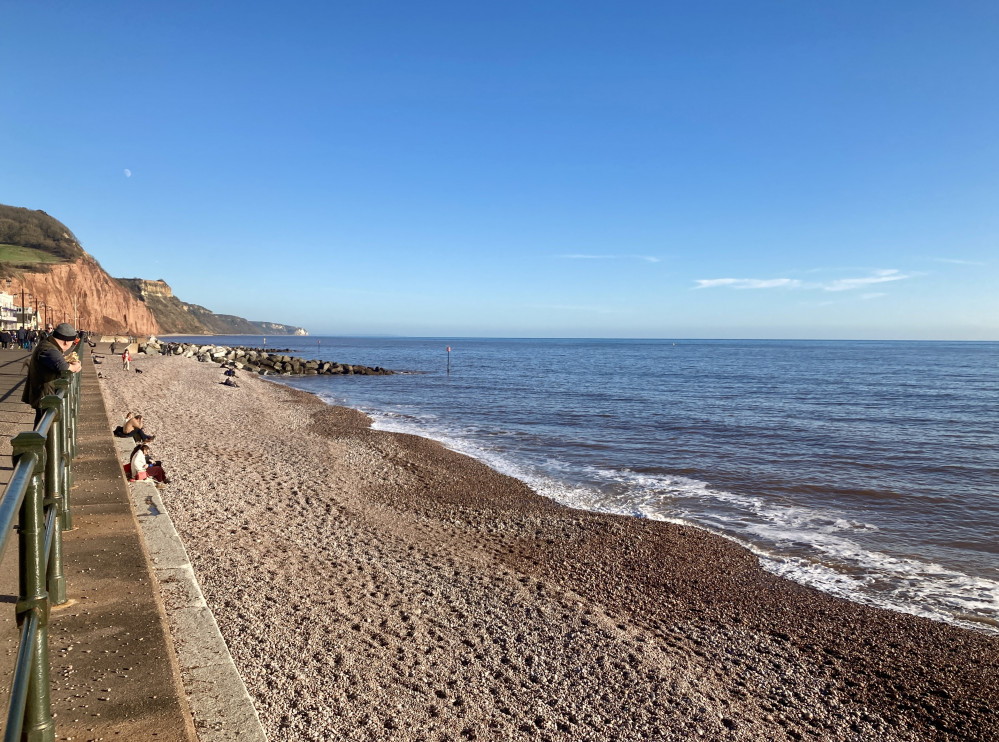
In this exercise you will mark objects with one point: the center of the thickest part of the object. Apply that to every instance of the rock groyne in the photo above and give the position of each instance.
(259, 361)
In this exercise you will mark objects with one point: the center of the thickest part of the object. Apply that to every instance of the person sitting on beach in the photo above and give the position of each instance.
(140, 467)
(132, 427)
(229, 382)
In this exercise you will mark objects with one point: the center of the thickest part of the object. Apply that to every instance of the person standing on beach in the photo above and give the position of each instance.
(126, 360)
(47, 364)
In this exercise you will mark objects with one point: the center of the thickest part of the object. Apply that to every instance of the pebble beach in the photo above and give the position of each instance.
(377, 586)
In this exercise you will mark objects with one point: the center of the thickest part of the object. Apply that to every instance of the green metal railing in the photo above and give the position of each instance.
(38, 497)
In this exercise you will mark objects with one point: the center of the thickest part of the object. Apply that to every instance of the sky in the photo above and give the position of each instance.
(524, 169)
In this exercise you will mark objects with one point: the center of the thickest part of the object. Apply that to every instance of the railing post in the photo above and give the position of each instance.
(39, 726)
(66, 385)
(55, 493)
(67, 439)
(73, 413)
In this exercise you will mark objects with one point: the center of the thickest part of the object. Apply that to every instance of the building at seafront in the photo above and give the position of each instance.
(13, 316)
(8, 312)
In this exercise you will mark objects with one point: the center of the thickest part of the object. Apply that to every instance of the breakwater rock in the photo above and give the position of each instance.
(256, 360)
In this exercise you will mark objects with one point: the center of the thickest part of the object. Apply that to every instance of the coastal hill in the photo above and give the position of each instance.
(177, 317)
(41, 259)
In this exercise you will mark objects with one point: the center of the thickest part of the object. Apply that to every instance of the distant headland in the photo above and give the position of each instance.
(48, 277)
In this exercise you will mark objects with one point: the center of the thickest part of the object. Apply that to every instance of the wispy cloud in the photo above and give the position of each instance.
(748, 283)
(848, 284)
(956, 261)
(839, 284)
(580, 256)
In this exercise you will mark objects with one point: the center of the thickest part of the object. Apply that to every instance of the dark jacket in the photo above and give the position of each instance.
(46, 365)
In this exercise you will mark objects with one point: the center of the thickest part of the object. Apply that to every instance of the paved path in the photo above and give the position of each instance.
(114, 673)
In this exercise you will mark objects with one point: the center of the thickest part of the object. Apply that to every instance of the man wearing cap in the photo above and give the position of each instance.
(47, 364)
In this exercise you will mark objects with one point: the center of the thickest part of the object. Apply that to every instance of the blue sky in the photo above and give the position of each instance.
(643, 169)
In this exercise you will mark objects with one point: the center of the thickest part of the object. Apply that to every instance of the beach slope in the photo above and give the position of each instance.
(373, 585)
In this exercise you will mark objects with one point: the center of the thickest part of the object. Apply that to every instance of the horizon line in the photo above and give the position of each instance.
(676, 338)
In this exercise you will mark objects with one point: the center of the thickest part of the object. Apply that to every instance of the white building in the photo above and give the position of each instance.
(8, 312)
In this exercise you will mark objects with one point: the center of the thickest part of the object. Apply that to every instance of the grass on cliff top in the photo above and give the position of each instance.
(26, 255)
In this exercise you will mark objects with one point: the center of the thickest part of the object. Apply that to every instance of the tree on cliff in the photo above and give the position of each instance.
(28, 228)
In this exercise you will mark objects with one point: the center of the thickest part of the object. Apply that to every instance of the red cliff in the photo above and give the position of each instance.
(83, 290)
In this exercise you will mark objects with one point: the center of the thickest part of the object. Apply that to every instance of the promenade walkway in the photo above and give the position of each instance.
(114, 673)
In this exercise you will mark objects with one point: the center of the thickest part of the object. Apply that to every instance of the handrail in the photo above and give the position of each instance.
(10, 504)
(38, 495)
(19, 686)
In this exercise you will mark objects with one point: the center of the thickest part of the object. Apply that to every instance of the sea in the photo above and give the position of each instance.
(868, 470)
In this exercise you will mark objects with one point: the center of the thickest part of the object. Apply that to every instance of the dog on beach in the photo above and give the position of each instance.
(138, 370)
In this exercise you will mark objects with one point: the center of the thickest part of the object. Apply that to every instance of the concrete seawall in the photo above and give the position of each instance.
(115, 672)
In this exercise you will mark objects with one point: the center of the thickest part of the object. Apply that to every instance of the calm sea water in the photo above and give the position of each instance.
(869, 470)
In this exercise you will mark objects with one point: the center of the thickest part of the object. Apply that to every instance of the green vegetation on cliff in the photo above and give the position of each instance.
(25, 255)
(35, 229)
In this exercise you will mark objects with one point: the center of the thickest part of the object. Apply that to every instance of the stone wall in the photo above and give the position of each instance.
(256, 360)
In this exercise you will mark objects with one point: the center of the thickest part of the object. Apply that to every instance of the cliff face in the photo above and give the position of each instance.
(273, 328)
(176, 317)
(148, 289)
(102, 304)
(171, 314)
(40, 257)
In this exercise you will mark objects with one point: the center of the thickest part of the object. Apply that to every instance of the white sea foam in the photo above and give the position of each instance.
(812, 546)
(816, 547)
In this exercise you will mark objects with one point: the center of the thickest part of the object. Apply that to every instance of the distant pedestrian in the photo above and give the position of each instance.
(126, 360)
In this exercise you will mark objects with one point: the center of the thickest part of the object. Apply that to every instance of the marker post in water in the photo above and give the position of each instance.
(449, 360)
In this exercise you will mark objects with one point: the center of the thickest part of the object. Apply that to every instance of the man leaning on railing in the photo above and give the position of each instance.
(47, 363)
